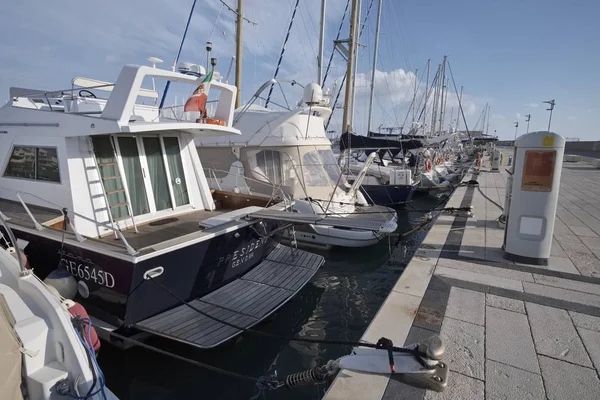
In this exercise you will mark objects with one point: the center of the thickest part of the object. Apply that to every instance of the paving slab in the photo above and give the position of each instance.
(508, 339)
(591, 242)
(564, 380)
(483, 279)
(394, 318)
(506, 382)
(459, 387)
(466, 305)
(504, 303)
(554, 334)
(562, 264)
(585, 321)
(562, 294)
(414, 280)
(486, 269)
(585, 261)
(567, 284)
(464, 344)
(591, 341)
(431, 310)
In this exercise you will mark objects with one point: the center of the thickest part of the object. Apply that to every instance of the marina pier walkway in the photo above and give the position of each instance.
(511, 331)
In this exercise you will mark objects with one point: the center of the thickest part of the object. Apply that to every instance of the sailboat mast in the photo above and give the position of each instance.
(321, 41)
(436, 79)
(459, 108)
(415, 95)
(346, 122)
(238, 52)
(426, 96)
(442, 101)
(483, 121)
(375, 49)
(357, 30)
(487, 130)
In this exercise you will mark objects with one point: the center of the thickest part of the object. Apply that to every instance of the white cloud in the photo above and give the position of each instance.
(126, 32)
(532, 105)
(572, 118)
(518, 115)
(500, 117)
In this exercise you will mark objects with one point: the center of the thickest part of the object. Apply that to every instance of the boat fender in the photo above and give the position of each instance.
(63, 282)
(428, 165)
(78, 311)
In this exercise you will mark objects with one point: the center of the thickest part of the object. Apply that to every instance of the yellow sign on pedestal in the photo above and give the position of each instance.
(548, 141)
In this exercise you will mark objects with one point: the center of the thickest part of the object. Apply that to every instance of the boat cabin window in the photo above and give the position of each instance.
(269, 161)
(312, 169)
(39, 163)
(331, 166)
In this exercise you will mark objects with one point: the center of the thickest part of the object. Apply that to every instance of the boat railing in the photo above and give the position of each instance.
(276, 188)
(13, 241)
(63, 210)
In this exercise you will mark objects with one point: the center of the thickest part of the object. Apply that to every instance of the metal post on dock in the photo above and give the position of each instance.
(552, 103)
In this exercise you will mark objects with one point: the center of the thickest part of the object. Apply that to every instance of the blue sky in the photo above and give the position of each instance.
(511, 54)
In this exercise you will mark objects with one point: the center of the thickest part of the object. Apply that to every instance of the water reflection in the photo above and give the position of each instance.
(338, 304)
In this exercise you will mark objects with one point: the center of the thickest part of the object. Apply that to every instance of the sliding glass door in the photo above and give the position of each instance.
(136, 186)
(176, 174)
(157, 173)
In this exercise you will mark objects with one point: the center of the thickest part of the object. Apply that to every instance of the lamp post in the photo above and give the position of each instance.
(528, 116)
(552, 103)
(516, 130)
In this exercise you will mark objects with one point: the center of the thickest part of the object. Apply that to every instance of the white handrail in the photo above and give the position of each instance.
(128, 247)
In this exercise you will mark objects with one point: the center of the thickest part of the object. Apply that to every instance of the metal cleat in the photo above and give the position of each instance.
(422, 367)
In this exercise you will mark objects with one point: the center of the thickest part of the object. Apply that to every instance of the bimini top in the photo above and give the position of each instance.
(262, 126)
(79, 111)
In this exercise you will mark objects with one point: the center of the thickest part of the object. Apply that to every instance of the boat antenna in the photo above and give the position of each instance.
(187, 25)
(208, 49)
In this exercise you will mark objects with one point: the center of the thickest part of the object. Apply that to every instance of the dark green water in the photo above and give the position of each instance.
(338, 303)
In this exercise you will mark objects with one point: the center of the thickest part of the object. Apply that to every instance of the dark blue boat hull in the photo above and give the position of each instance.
(388, 195)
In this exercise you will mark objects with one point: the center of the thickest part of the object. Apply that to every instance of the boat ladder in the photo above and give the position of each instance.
(111, 197)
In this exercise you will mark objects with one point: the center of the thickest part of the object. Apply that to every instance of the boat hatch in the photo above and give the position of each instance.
(243, 302)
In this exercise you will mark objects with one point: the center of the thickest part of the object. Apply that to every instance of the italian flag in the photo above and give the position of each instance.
(197, 102)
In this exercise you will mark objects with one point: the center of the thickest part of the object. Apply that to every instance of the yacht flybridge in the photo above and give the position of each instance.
(286, 155)
(113, 191)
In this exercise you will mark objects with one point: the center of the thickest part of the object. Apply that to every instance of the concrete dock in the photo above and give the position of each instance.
(512, 331)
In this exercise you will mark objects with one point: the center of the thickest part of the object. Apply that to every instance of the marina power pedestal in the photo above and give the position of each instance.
(534, 197)
(496, 159)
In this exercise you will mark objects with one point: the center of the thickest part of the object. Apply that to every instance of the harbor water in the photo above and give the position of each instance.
(337, 304)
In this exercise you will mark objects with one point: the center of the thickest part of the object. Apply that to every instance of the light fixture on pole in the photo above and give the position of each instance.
(516, 129)
(552, 103)
(528, 116)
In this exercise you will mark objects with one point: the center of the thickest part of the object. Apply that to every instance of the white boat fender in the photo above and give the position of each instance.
(63, 282)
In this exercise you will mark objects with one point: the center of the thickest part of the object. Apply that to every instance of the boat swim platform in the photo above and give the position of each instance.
(243, 302)
(376, 218)
(511, 330)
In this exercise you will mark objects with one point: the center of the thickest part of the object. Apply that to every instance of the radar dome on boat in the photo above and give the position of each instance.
(313, 94)
(191, 69)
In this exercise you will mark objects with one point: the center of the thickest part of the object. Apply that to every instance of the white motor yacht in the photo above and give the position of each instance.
(286, 155)
(99, 184)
